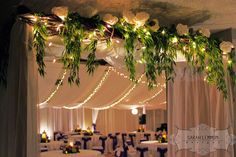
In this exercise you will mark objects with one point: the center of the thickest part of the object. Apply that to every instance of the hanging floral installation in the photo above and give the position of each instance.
(159, 45)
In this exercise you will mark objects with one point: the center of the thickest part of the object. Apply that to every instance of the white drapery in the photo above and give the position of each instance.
(19, 105)
(60, 119)
(155, 118)
(191, 101)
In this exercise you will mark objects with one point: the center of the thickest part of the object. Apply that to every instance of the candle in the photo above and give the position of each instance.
(71, 144)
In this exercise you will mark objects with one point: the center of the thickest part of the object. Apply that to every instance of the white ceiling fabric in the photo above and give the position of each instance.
(112, 90)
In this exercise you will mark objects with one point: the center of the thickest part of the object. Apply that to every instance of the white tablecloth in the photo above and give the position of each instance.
(94, 141)
(152, 147)
(52, 145)
(140, 135)
(83, 153)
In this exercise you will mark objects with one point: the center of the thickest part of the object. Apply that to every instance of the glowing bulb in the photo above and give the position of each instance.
(50, 44)
(229, 61)
(194, 45)
(174, 40)
(109, 26)
(54, 60)
(117, 41)
(207, 67)
(71, 144)
(163, 32)
(134, 111)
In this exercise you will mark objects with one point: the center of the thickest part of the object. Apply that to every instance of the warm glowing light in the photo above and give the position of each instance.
(50, 44)
(194, 45)
(229, 61)
(163, 32)
(71, 144)
(174, 40)
(134, 111)
(108, 26)
(54, 60)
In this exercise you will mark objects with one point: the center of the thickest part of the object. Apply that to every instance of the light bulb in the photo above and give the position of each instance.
(134, 111)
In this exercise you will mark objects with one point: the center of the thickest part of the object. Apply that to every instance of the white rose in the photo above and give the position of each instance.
(61, 11)
(182, 29)
(156, 26)
(129, 17)
(110, 19)
(205, 32)
(226, 46)
(141, 18)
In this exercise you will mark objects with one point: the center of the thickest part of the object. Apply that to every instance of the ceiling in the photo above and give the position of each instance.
(214, 14)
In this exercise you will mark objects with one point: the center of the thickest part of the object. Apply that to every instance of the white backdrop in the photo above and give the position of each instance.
(191, 101)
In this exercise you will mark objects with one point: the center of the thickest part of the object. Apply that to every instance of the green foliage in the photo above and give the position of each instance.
(158, 49)
(39, 37)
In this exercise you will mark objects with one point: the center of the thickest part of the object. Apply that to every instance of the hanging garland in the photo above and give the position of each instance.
(160, 45)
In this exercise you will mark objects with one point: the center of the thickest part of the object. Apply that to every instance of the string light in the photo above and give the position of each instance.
(54, 60)
(127, 77)
(50, 44)
(94, 91)
(155, 95)
(55, 91)
(122, 98)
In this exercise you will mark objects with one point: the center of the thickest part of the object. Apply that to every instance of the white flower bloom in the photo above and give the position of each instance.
(226, 46)
(129, 17)
(205, 32)
(61, 11)
(156, 26)
(110, 19)
(182, 29)
(141, 18)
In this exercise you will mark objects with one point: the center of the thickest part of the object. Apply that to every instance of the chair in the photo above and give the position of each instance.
(114, 140)
(142, 150)
(123, 136)
(162, 151)
(146, 137)
(78, 143)
(86, 139)
(131, 136)
(101, 148)
(119, 152)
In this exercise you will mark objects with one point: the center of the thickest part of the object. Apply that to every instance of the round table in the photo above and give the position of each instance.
(83, 153)
(52, 145)
(153, 145)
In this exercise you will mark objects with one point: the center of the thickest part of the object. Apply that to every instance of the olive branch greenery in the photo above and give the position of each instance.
(158, 53)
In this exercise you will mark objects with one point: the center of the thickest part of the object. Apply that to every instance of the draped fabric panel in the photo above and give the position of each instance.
(59, 119)
(19, 106)
(191, 101)
(116, 120)
(155, 118)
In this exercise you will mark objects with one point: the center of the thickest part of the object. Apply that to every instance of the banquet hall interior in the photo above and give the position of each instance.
(120, 78)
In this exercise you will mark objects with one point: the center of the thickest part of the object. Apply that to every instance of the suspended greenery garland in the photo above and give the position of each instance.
(160, 45)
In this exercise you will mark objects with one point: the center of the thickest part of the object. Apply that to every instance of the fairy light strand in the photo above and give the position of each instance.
(127, 77)
(122, 98)
(56, 89)
(94, 91)
(155, 95)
